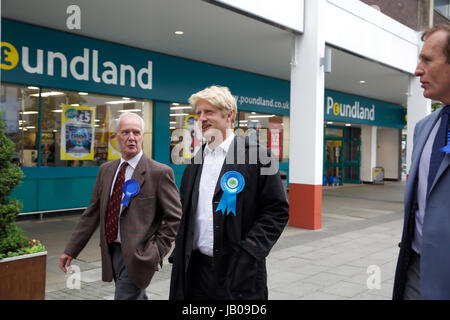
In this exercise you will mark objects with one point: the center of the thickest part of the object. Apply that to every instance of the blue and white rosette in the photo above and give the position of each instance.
(232, 183)
(446, 149)
(130, 189)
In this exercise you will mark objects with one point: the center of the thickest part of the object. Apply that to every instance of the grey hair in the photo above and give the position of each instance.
(123, 115)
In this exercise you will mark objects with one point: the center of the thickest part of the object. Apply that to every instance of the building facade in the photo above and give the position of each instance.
(61, 95)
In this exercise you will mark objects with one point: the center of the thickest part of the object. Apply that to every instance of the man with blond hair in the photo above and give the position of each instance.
(424, 259)
(233, 212)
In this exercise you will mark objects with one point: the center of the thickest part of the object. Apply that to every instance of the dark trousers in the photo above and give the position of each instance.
(125, 288)
(202, 278)
(412, 285)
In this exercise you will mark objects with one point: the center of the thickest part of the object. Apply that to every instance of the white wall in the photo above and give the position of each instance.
(368, 152)
(388, 151)
(356, 27)
(287, 13)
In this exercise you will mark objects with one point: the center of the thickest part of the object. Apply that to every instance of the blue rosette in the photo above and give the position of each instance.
(130, 189)
(446, 149)
(232, 183)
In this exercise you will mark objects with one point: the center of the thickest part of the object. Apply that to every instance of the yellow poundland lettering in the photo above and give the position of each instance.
(336, 109)
(9, 56)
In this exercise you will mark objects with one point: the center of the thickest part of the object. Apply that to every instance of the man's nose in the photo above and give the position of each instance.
(419, 71)
(201, 117)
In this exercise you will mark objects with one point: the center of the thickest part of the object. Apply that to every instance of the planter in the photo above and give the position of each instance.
(23, 277)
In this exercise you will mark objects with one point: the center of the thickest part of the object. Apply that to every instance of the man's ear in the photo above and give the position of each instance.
(230, 116)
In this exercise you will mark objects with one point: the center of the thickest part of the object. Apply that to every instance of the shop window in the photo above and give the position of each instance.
(443, 7)
(19, 111)
(334, 132)
(184, 140)
(271, 131)
(78, 128)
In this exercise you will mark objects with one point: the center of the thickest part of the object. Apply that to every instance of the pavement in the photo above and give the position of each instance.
(352, 257)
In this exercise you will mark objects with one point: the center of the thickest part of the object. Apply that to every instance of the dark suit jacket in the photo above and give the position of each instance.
(241, 242)
(435, 258)
(147, 226)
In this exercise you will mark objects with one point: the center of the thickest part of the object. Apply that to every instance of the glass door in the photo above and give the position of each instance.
(352, 155)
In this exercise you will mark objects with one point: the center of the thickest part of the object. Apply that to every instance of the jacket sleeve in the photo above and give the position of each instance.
(88, 222)
(169, 203)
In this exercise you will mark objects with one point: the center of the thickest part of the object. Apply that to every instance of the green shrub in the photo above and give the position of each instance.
(12, 238)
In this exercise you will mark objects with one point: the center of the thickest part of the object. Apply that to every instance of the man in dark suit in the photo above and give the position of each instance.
(234, 210)
(424, 259)
(134, 236)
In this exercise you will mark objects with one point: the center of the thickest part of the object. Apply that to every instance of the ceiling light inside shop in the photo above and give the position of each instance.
(30, 127)
(120, 102)
(362, 81)
(129, 110)
(172, 122)
(33, 88)
(262, 116)
(172, 128)
(29, 112)
(175, 103)
(83, 93)
(57, 110)
(75, 105)
(178, 114)
(179, 32)
(47, 94)
(180, 108)
(330, 122)
(125, 98)
(348, 125)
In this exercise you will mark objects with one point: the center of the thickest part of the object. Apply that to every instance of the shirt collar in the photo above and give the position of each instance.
(133, 162)
(224, 146)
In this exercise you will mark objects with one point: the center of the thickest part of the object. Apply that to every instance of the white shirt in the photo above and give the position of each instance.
(422, 188)
(212, 165)
(132, 163)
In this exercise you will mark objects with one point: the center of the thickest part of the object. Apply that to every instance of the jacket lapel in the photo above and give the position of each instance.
(139, 176)
(423, 137)
(444, 165)
(445, 162)
(196, 173)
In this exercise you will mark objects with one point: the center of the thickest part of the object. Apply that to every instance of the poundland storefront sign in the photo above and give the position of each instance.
(343, 107)
(32, 55)
(83, 67)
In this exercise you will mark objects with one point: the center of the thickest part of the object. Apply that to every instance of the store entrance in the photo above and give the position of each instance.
(342, 155)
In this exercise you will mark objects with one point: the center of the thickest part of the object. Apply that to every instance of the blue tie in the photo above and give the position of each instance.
(440, 141)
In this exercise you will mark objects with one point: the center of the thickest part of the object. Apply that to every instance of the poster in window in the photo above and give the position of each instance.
(191, 136)
(77, 133)
(276, 139)
(109, 132)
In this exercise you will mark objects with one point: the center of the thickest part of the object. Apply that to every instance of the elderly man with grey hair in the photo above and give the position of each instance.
(136, 204)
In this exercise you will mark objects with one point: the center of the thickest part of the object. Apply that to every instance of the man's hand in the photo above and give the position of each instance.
(64, 262)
